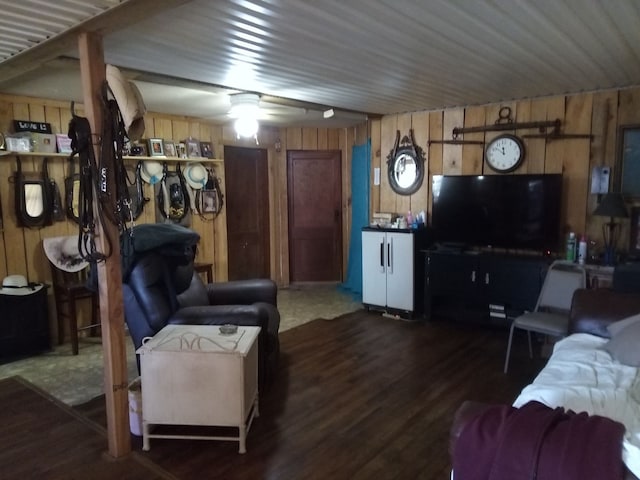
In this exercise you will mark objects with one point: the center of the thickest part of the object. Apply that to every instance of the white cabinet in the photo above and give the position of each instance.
(195, 375)
(389, 270)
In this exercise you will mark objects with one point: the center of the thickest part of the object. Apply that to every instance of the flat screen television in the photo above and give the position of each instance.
(505, 211)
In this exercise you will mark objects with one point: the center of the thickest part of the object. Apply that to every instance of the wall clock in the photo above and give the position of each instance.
(505, 153)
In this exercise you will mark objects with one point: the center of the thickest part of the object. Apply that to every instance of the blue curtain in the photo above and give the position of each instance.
(360, 174)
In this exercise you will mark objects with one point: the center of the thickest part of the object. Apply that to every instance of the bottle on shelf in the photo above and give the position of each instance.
(571, 247)
(582, 250)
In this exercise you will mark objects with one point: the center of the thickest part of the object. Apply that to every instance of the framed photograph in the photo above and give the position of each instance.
(634, 240)
(628, 161)
(206, 149)
(138, 150)
(63, 143)
(193, 148)
(209, 201)
(156, 147)
(169, 149)
(181, 150)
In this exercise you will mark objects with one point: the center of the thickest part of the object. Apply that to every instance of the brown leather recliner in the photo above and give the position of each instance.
(591, 311)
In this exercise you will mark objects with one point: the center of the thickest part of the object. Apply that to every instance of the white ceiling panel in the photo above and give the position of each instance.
(377, 57)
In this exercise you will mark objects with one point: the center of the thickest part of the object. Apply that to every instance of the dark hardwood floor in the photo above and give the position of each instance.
(358, 397)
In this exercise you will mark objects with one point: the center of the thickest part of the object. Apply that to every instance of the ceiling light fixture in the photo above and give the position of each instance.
(245, 109)
(344, 115)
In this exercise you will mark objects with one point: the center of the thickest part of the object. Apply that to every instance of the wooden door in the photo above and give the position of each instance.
(315, 215)
(247, 203)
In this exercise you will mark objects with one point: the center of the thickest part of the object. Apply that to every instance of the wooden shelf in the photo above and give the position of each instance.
(5, 153)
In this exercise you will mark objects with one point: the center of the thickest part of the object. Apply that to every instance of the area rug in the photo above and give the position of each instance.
(45, 439)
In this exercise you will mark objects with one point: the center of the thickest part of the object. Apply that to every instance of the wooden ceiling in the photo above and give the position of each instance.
(365, 56)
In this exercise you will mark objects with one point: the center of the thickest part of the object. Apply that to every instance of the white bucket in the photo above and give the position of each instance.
(135, 407)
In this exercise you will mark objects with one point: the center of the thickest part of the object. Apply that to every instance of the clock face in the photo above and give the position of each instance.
(505, 153)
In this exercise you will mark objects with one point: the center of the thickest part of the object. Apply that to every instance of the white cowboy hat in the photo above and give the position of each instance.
(129, 101)
(196, 175)
(151, 172)
(18, 285)
(63, 253)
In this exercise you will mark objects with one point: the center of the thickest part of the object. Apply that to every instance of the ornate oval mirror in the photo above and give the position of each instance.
(405, 165)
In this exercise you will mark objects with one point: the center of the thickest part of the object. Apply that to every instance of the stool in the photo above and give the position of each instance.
(68, 288)
(69, 274)
(206, 268)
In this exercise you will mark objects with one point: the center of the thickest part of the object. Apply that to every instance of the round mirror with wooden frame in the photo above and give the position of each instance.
(405, 165)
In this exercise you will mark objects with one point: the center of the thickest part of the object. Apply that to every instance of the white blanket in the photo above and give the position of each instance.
(582, 377)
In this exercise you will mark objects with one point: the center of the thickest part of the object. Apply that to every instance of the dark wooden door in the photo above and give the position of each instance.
(315, 216)
(247, 203)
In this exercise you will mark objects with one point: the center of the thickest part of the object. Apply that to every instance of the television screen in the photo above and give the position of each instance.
(506, 211)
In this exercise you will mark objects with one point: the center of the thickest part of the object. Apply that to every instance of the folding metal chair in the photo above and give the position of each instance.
(551, 314)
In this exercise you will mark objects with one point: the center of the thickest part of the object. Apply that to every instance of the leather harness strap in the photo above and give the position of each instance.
(94, 179)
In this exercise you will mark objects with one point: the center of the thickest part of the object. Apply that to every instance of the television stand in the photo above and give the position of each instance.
(451, 247)
(461, 286)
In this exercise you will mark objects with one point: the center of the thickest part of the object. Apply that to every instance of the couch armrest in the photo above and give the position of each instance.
(465, 412)
(243, 292)
(469, 410)
(592, 310)
(245, 315)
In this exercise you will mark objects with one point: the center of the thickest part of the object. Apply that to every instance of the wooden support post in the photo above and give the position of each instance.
(92, 69)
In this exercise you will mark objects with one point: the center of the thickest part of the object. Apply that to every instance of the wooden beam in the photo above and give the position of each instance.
(117, 18)
(92, 68)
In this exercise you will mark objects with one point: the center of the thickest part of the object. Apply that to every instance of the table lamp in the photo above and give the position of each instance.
(612, 205)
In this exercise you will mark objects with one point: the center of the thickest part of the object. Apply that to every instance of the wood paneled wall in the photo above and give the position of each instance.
(21, 249)
(598, 114)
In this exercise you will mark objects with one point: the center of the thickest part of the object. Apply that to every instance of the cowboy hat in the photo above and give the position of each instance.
(151, 172)
(18, 285)
(129, 101)
(63, 253)
(196, 175)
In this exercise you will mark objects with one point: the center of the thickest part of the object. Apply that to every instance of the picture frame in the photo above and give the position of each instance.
(181, 150)
(156, 147)
(628, 161)
(209, 201)
(170, 149)
(63, 142)
(634, 230)
(138, 150)
(206, 149)
(193, 148)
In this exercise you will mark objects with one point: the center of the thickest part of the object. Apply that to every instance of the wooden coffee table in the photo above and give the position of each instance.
(194, 375)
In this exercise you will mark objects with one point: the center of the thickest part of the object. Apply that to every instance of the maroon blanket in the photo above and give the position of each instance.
(537, 442)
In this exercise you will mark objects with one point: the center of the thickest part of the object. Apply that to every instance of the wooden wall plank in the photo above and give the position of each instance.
(333, 140)
(629, 106)
(15, 237)
(388, 129)
(294, 139)
(554, 155)
(376, 162)
(576, 160)
(603, 153)
(472, 155)
(420, 125)
(452, 154)
(523, 114)
(347, 140)
(309, 138)
(435, 157)
(536, 147)
(323, 139)
(282, 214)
(403, 202)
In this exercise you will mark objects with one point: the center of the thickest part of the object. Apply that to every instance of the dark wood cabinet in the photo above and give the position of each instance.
(24, 324)
(463, 286)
